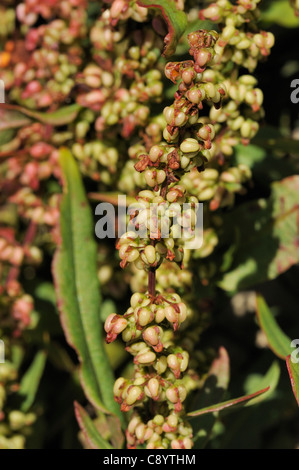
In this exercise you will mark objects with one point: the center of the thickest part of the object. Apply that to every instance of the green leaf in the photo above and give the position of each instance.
(225, 404)
(266, 236)
(282, 13)
(271, 378)
(92, 436)
(278, 341)
(11, 119)
(61, 117)
(31, 379)
(293, 369)
(77, 289)
(10, 122)
(212, 391)
(176, 21)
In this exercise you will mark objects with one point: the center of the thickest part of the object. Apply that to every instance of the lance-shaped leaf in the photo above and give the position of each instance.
(212, 391)
(77, 289)
(31, 379)
(62, 116)
(87, 426)
(176, 21)
(226, 404)
(278, 341)
(266, 233)
(293, 370)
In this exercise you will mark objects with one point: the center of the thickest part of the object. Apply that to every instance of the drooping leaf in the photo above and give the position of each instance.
(278, 341)
(176, 21)
(63, 116)
(212, 391)
(267, 236)
(91, 434)
(31, 379)
(78, 291)
(225, 404)
(293, 370)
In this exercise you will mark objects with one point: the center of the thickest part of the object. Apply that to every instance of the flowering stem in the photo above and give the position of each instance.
(152, 282)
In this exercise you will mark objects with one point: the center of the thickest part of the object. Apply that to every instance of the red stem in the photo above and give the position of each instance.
(152, 282)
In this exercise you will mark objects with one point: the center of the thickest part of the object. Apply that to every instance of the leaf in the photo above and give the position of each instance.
(89, 430)
(213, 390)
(31, 379)
(293, 370)
(271, 378)
(10, 119)
(228, 403)
(278, 341)
(109, 428)
(267, 235)
(10, 122)
(282, 13)
(176, 21)
(77, 289)
(61, 117)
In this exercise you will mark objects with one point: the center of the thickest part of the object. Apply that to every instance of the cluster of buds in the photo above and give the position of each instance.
(14, 425)
(161, 225)
(239, 41)
(160, 432)
(169, 277)
(218, 186)
(150, 326)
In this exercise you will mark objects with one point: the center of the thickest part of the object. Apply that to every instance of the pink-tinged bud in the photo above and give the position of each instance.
(118, 388)
(188, 76)
(183, 312)
(13, 288)
(118, 7)
(17, 256)
(133, 423)
(40, 150)
(143, 317)
(152, 337)
(187, 442)
(202, 58)
(172, 394)
(176, 395)
(114, 325)
(174, 365)
(140, 432)
(22, 309)
(134, 393)
(152, 389)
(148, 434)
(171, 424)
(145, 358)
(177, 444)
(161, 365)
